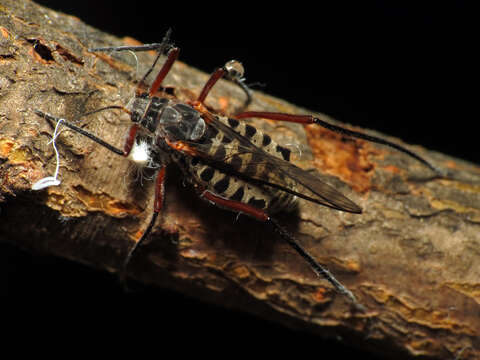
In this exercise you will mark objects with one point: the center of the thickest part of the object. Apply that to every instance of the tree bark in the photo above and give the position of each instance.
(411, 257)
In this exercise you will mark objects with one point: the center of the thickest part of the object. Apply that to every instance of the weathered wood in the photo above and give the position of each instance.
(412, 258)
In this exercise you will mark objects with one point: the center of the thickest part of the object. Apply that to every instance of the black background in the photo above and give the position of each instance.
(405, 70)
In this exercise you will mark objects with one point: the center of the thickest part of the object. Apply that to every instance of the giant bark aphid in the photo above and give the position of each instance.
(230, 164)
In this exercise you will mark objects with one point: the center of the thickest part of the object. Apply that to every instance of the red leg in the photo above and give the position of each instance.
(236, 206)
(302, 119)
(157, 208)
(127, 147)
(233, 71)
(309, 119)
(217, 75)
(172, 56)
(160, 48)
(262, 216)
(159, 190)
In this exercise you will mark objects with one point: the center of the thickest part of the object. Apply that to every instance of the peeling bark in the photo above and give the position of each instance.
(411, 258)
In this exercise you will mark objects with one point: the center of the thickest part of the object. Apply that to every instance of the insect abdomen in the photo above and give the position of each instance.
(258, 138)
(236, 189)
(232, 187)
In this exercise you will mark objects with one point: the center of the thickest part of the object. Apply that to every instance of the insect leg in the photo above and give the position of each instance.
(146, 47)
(316, 267)
(260, 215)
(218, 74)
(160, 48)
(172, 56)
(129, 141)
(236, 206)
(309, 119)
(233, 71)
(157, 208)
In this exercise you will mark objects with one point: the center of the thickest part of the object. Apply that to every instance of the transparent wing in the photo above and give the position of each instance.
(249, 162)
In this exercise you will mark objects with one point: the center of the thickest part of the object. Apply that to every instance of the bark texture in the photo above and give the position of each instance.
(412, 258)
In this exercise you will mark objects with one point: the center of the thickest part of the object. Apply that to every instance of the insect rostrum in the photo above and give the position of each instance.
(230, 163)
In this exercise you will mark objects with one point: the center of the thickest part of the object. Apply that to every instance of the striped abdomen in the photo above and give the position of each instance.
(227, 145)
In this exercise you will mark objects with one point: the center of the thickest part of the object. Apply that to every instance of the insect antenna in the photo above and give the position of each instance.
(80, 131)
(118, 107)
(316, 267)
(160, 47)
(309, 119)
(145, 47)
(359, 135)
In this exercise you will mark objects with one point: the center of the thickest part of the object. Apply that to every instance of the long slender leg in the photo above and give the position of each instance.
(145, 47)
(157, 208)
(172, 56)
(260, 215)
(309, 119)
(217, 75)
(233, 71)
(160, 48)
(236, 206)
(129, 141)
(318, 269)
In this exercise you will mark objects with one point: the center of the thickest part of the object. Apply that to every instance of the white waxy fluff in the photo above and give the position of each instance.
(140, 154)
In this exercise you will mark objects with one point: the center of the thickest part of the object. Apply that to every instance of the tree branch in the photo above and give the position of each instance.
(411, 258)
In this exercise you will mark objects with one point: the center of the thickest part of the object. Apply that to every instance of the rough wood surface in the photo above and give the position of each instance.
(412, 258)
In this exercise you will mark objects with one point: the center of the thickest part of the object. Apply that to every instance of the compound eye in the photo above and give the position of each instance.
(235, 70)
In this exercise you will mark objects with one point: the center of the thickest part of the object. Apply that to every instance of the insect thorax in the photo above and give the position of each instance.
(168, 118)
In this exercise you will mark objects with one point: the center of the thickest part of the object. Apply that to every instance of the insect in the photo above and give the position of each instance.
(229, 163)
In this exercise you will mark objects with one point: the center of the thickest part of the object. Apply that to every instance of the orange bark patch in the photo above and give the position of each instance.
(5, 147)
(392, 169)
(342, 157)
(105, 203)
(67, 55)
(4, 32)
(319, 295)
(16, 154)
(129, 41)
(114, 64)
(223, 102)
(241, 272)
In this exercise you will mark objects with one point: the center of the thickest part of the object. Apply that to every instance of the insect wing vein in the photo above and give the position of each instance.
(274, 172)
